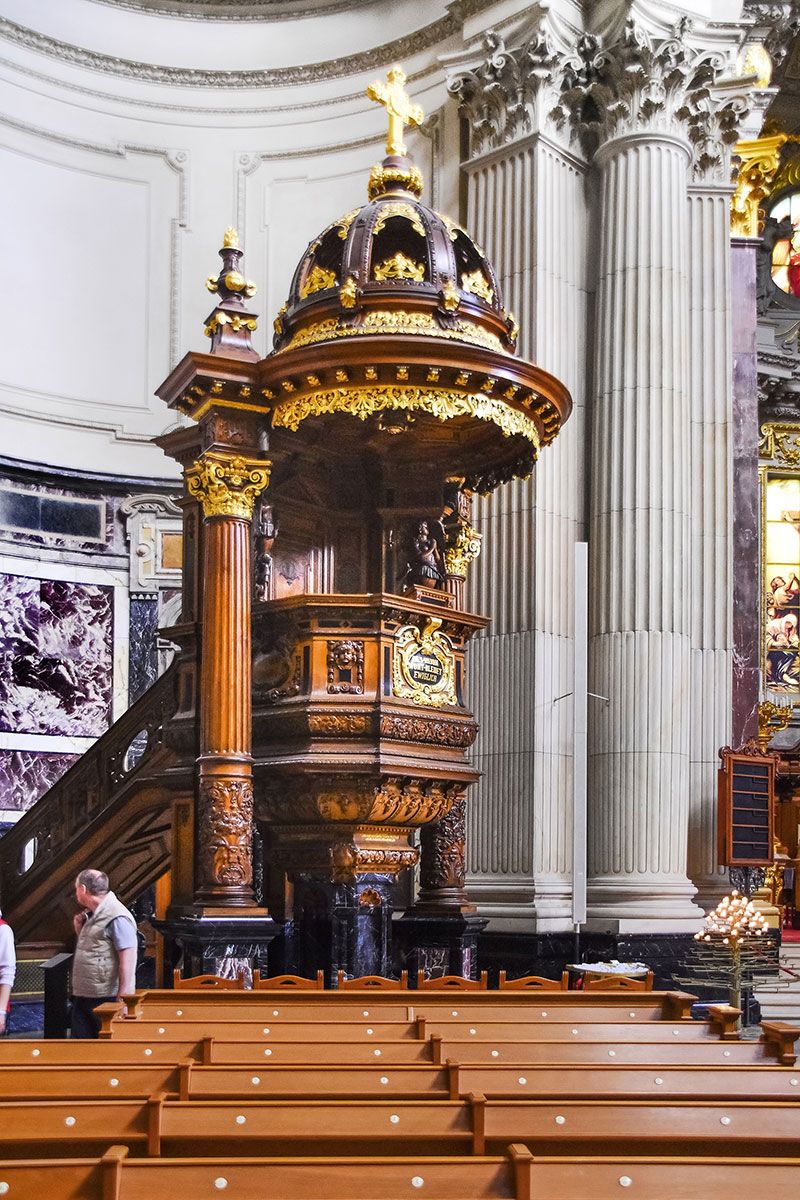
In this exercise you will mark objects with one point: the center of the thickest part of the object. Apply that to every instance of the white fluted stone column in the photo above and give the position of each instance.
(711, 386)
(527, 207)
(640, 544)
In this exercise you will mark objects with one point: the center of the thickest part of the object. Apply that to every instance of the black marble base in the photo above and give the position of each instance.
(439, 945)
(215, 945)
(345, 926)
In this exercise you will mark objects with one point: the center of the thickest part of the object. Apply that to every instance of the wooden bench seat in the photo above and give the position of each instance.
(89, 1083)
(691, 1052)
(70, 1051)
(216, 1051)
(589, 1082)
(187, 1028)
(319, 1081)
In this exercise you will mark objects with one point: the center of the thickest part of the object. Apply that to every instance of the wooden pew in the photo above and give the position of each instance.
(694, 1052)
(217, 1051)
(451, 983)
(518, 1176)
(117, 1176)
(474, 1125)
(594, 982)
(675, 1127)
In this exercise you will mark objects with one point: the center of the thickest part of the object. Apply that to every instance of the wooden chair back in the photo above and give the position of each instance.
(373, 981)
(209, 981)
(451, 983)
(614, 983)
(533, 983)
(297, 983)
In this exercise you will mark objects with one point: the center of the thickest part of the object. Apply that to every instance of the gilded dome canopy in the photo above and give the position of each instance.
(395, 266)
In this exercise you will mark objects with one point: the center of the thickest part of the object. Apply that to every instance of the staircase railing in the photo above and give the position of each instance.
(127, 754)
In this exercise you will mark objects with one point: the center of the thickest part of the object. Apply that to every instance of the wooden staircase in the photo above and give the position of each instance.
(114, 809)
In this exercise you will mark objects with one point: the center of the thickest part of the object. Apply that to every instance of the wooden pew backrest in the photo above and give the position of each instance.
(202, 982)
(373, 981)
(533, 983)
(297, 983)
(451, 983)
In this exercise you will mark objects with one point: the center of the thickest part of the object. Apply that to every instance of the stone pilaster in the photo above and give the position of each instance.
(226, 485)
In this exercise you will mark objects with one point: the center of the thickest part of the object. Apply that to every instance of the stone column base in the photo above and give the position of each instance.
(217, 945)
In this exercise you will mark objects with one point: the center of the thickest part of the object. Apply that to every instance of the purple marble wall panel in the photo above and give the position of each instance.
(746, 511)
(25, 775)
(56, 657)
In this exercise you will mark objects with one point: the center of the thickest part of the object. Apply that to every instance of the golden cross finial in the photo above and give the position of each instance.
(402, 112)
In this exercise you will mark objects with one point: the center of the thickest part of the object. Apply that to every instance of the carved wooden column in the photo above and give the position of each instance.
(442, 863)
(226, 485)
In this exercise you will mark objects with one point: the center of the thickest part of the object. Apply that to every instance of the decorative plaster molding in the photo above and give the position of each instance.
(236, 10)
(402, 48)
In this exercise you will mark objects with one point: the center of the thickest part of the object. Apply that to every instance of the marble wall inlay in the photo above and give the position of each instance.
(25, 775)
(55, 657)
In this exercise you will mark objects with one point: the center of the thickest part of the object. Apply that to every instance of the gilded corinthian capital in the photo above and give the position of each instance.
(759, 160)
(226, 484)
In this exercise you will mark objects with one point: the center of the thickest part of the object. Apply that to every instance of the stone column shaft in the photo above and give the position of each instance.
(710, 459)
(527, 206)
(640, 543)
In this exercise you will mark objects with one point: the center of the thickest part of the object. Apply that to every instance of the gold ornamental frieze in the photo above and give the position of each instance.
(781, 443)
(391, 322)
(227, 485)
(424, 665)
(443, 404)
(398, 208)
(478, 285)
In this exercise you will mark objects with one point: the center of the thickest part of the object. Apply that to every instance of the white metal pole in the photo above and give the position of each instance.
(579, 756)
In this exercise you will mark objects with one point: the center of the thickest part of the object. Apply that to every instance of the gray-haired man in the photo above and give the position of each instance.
(104, 963)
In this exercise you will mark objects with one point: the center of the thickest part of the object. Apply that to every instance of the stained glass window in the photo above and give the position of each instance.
(786, 253)
(782, 561)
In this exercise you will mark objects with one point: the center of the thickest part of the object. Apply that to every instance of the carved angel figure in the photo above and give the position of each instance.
(425, 565)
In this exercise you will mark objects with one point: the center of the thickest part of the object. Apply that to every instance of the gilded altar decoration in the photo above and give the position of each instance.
(451, 297)
(227, 485)
(423, 665)
(395, 100)
(319, 278)
(477, 283)
(400, 267)
(772, 718)
(465, 548)
(758, 162)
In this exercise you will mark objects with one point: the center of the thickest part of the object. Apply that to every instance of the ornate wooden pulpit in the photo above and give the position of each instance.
(327, 538)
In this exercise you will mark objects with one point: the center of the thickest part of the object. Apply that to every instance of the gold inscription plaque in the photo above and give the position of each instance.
(424, 665)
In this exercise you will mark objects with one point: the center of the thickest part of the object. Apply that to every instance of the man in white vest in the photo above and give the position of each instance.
(104, 963)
